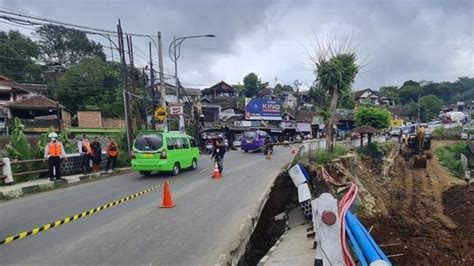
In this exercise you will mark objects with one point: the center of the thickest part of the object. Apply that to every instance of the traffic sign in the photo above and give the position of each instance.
(160, 113)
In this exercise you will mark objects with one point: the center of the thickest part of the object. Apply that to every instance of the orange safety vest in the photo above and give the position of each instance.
(87, 145)
(55, 149)
(112, 150)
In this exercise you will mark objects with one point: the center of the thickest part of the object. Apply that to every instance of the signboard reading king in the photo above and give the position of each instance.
(262, 109)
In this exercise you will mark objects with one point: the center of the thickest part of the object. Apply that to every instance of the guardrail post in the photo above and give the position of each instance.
(7, 170)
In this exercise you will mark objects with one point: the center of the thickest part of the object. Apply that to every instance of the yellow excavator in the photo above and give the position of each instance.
(419, 145)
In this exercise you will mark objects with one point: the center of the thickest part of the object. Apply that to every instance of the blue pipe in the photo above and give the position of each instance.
(374, 244)
(355, 246)
(368, 250)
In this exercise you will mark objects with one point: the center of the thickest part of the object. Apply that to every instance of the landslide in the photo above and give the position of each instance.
(425, 217)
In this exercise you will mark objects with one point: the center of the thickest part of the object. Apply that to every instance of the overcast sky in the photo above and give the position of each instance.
(396, 40)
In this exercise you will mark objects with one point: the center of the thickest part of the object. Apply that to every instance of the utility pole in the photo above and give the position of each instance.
(145, 105)
(124, 88)
(162, 80)
(152, 86)
(134, 87)
(176, 69)
(297, 86)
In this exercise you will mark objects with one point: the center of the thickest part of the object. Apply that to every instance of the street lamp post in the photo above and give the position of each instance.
(174, 53)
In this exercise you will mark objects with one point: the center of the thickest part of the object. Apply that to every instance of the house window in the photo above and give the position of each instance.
(5, 96)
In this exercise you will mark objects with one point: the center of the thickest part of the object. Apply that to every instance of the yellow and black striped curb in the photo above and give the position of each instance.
(78, 216)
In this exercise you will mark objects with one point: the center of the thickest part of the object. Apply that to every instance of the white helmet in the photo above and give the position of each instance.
(53, 135)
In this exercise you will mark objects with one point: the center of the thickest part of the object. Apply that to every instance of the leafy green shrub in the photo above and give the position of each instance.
(339, 150)
(372, 150)
(323, 157)
(450, 158)
(386, 147)
(447, 133)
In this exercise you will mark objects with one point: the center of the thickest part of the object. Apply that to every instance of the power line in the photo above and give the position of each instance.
(16, 25)
(51, 21)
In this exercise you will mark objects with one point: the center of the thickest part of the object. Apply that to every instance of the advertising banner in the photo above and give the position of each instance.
(303, 127)
(262, 109)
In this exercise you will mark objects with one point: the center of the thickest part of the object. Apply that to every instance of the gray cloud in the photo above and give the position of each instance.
(397, 40)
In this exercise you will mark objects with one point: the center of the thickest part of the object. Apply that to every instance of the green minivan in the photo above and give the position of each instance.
(164, 152)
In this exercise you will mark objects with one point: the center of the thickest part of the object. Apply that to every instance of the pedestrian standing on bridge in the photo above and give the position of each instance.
(97, 154)
(84, 148)
(112, 153)
(218, 155)
(54, 153)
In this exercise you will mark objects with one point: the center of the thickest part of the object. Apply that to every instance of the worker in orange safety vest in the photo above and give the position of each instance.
(112, 153)
(54, 153)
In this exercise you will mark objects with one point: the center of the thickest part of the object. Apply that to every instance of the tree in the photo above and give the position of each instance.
(409, 93)
(372, 116)
(252, 85)
(347, 101)
(335, 71)
(92, 85)
(279, 89)
(65, 46)
(17, 57)
(430, 106)
(390, 92)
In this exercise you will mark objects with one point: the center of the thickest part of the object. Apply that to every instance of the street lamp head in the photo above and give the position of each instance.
(211, 35)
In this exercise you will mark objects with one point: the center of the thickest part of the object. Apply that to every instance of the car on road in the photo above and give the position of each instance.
(253, 140)
(394, 131)
(155, 151)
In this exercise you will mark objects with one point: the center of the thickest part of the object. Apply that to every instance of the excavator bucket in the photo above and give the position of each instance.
(419, 161)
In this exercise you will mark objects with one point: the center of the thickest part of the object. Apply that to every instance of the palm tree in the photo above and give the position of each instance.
(335, 73)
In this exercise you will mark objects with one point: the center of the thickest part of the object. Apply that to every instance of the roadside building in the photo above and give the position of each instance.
(39, 113)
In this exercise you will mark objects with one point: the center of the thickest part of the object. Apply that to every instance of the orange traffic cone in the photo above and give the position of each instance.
(216, 174)
(167, 198)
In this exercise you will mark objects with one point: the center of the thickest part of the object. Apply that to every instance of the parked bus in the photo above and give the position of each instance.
(253, 140)
(164, 152)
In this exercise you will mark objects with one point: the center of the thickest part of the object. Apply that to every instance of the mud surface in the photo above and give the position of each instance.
(425, 216)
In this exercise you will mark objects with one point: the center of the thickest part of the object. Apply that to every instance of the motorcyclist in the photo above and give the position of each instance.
(268, 145)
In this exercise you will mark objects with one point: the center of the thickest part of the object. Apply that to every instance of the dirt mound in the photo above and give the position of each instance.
(421, 225)
(459, 206)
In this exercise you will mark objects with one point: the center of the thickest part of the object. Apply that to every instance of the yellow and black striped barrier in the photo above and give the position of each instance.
(78, 216)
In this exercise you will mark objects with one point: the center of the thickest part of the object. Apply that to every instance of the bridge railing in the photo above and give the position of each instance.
(70, 165)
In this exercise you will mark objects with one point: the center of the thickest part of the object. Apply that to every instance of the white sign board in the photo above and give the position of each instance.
(303, 192)
(176, 109)
(303, 127)
(242, 123)
(297, 175)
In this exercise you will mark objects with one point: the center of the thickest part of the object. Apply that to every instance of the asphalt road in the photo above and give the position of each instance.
(202, 226)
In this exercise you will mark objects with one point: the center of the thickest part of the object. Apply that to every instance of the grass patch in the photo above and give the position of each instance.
(447, 133)
(323, 157)
(376, 150)
(371, 151)
(450, 158)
